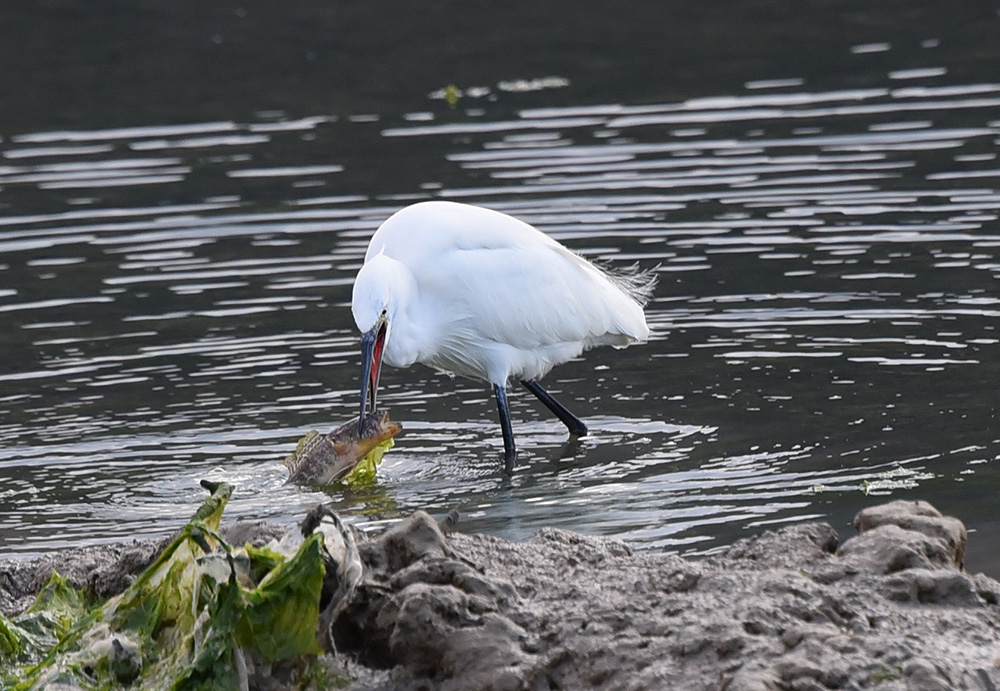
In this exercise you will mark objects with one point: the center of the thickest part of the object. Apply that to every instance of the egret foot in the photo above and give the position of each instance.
(573, 423)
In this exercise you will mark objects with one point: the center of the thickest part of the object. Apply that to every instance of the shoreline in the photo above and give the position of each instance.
(793, 608)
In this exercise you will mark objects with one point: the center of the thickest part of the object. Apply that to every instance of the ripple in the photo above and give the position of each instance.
(919, 73)
(123, 133)
(54, 303)
(284, 172)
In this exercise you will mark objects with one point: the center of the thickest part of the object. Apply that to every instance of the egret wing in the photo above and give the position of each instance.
(530, 296)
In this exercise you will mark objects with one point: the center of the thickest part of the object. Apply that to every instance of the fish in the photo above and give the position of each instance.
(321, 459)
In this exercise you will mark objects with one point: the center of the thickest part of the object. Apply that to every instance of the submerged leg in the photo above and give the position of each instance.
(509, 450)
(572, 422)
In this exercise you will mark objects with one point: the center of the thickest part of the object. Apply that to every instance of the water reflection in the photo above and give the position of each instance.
(825, 326)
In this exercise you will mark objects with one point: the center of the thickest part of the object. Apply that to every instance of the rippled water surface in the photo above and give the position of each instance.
(175, 306)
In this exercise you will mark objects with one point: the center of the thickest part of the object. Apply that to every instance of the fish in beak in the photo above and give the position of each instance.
(372, 345)
(321, 459)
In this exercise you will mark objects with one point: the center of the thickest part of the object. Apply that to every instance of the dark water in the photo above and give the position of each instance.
(182, 212)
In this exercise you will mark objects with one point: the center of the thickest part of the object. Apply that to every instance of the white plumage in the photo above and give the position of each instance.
(481, 294)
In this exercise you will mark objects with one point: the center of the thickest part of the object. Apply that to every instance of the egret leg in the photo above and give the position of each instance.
(573, 423)
(509, 450)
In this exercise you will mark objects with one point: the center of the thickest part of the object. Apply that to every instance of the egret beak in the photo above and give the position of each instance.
(372, 344)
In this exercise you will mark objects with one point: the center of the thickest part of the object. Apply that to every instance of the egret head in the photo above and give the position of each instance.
(373, 307)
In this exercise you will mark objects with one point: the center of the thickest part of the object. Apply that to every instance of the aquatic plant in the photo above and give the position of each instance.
(203, 615)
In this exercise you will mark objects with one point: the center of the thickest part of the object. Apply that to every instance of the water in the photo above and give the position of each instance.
(174, 298)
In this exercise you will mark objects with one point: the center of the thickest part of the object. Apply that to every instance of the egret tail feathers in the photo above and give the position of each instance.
(636, 282)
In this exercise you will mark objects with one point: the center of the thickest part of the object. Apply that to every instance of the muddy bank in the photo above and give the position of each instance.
(797, 608)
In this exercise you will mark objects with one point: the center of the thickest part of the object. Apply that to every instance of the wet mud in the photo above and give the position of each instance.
(889, 607)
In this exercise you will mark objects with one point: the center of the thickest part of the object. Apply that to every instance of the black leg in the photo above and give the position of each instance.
(572, 422)
(509, 450)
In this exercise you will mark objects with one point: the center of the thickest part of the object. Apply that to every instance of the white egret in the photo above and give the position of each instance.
(478, 293)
